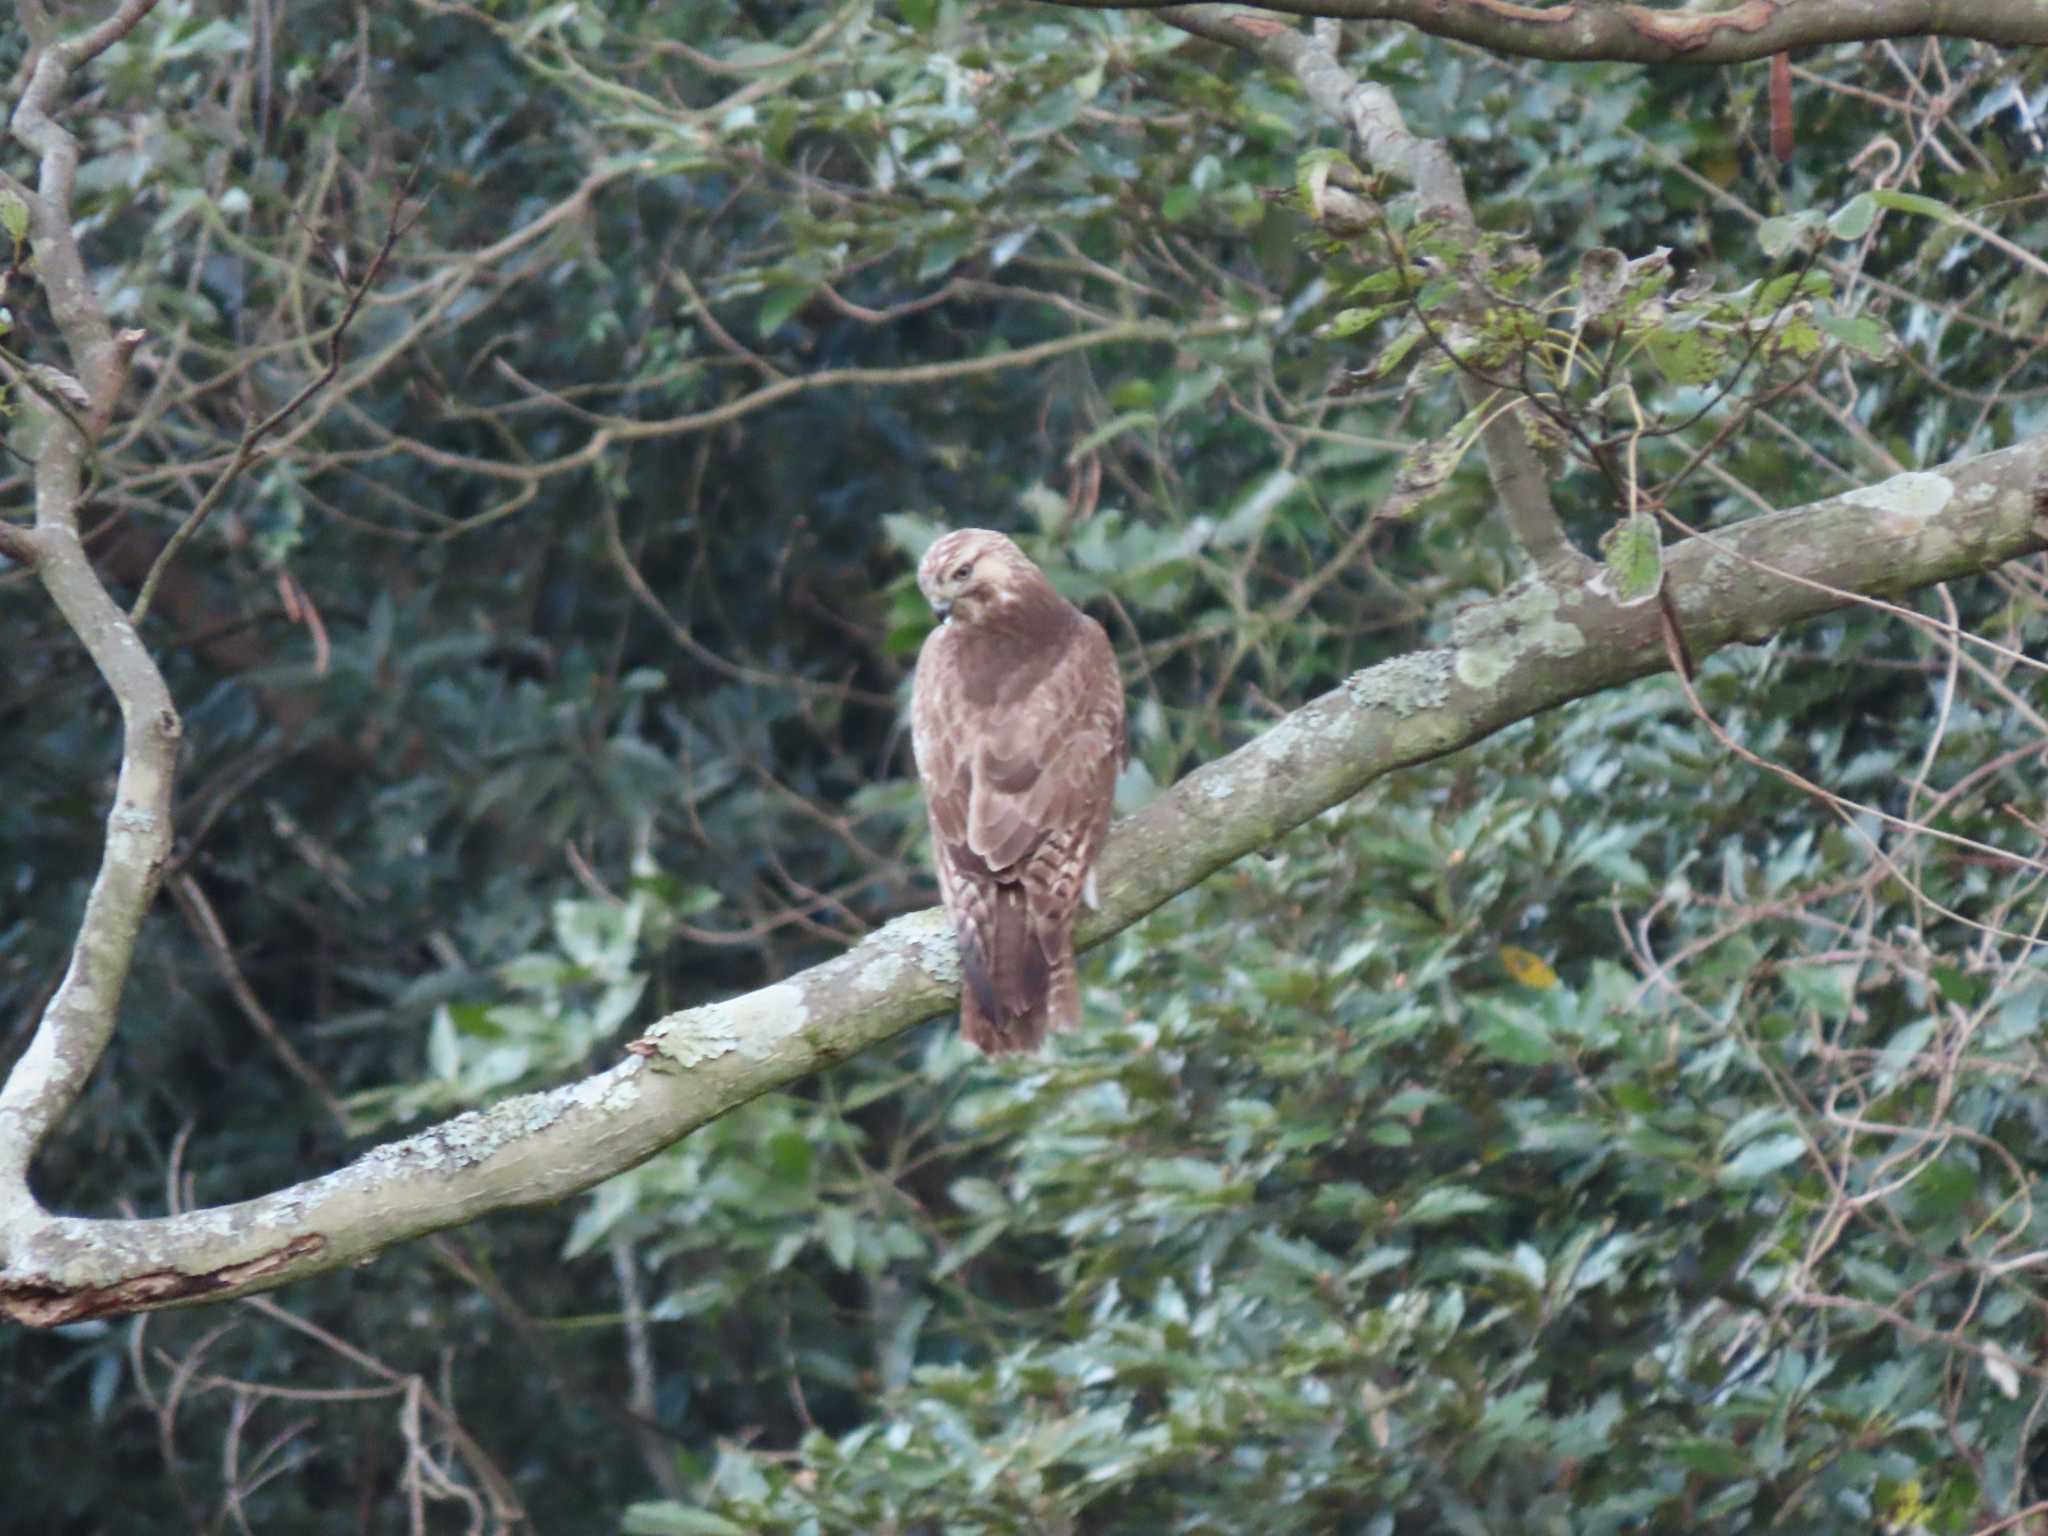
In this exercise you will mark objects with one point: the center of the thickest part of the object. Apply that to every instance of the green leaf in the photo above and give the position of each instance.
(1860, 334)
(1829, 990)
(1853, 219)
(1191, 389)
(1315, 167)
(1797, 336)
(594, 935)
(1686, 357)
(945, 253)
(444, 1052)
(1634, 550)
(2004, 1374)
(835, 1227)
(1348, 322)
(1385, 280)
(1963, 988)
(911, 533)
(780, 303)
(1389, 357)
(1912, 202)
(1447, 1202)
(1187, 1174)
(13, 216)
(1900, 1051)
(1129, 421)
(1048, 508)
(1788, 232)
(1711, 1457)
(1249, 517)
(968, 1247)
(1520, 1039)
(1761, 1158)
(665, 1517)
(1944, 1188)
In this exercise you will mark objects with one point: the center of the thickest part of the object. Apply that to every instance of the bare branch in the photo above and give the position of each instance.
(79, 1020)
(1587, 30)
(72, 302)
(16, 545)
(252, 438)
(76, 1026)
(627, 429)
(205, 922)
(1535, 647)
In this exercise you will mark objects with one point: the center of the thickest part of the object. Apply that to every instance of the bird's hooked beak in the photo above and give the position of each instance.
(943, 610)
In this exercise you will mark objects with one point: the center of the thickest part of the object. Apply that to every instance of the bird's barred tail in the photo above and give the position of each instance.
(1015, 990)
(1058, 1009)
(1013, 1035)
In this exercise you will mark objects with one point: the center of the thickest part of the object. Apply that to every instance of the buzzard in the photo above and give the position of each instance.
(1017, 719)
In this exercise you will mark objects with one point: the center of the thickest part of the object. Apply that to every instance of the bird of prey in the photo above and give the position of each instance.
(1017, 719)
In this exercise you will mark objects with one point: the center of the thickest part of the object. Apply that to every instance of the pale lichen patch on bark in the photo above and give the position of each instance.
(927, 939)
(1913, 499)
(133, 818)
(765, 1019)
(467, 1139)
(1279, 754)
(471, 1136)
(693, 1037)
(881, 971)
(918, 941)
(614, 1091)
(754, 1025)
(1491, 637)
(1407, 685)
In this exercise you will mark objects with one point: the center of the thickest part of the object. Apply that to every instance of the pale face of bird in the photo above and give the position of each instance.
(971, 573)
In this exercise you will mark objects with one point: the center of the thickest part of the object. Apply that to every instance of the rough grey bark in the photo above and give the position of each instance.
(64, 413)
(1529, 650)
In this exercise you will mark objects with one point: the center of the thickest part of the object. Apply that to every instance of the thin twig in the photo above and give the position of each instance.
(206, 923)
(252, 439)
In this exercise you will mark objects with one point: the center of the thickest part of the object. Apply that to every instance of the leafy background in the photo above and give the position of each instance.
(1589, 1132)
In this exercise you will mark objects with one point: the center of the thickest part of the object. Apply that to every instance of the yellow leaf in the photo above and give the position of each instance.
(1904, 1508)
(1530, 970)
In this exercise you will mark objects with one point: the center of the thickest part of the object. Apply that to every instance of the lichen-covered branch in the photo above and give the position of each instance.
(1537, 646)
(62, 411)
(1587, 30)
(1381, 139)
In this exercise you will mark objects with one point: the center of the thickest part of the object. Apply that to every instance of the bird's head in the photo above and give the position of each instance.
(975, 574)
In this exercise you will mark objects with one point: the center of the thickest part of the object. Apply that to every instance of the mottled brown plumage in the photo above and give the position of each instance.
(1018, 723)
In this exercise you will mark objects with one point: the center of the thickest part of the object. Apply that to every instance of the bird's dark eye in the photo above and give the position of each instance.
(963, 570)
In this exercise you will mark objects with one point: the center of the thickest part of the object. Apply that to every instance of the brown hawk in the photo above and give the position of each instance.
(1017, 719)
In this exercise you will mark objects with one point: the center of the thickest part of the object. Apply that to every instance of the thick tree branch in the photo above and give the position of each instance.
(1381, 139)
(1725, 34)
(61, 271)
(76, 1026)
(1529, 650)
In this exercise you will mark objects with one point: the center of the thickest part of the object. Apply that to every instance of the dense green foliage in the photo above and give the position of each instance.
(1339, 1223)
(1593, 1132)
